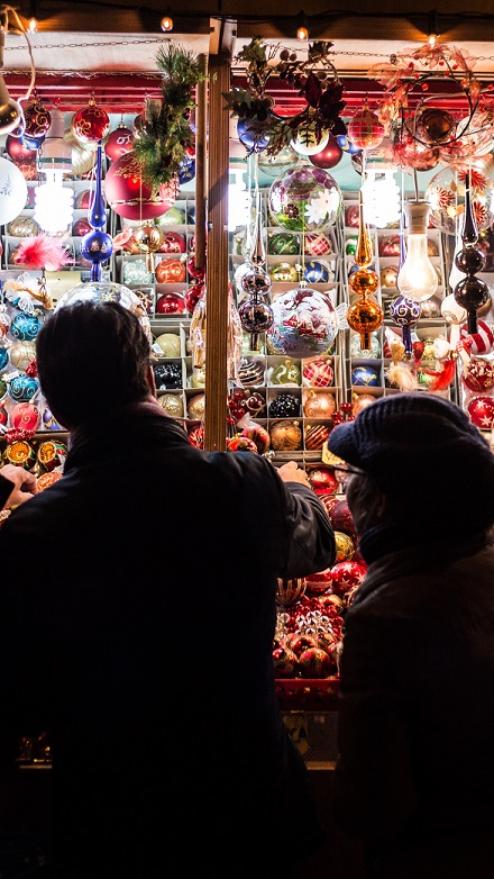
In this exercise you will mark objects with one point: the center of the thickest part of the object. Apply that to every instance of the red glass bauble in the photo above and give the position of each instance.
(130, 197)
(284, 662)
(481, 412)
(323, 481)
(91, 124)
(345, 576)
(81, 227)
(4, 415)
(170, 303)
(365, 131)
(119, 143)
(318, 583)
(478, 375)
(18, 152)
(83, 200)
(329, 156)
(173, 242)
(192, 296)
(38, 119)
(340, 516)
(170, 271)
(315, 663)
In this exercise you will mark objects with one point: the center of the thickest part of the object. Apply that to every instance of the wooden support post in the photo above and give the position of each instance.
(201, 169)
(217, 263)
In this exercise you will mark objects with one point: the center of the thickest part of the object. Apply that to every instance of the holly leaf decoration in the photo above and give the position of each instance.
(312, 90)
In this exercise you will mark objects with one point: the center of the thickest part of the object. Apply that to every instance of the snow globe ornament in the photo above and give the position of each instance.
(306, 200)
(306, 322)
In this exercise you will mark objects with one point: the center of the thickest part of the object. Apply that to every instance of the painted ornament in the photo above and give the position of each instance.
(315, 436)
(286, 373)
(284, 244)
(198, 377)
(251, 373)
(172, 404)
(365, 376)
(317, 244)
(172, 242)
(315, 663)
(360, 402)
(170, 271)
(345, 547)
(22, 354)
(46, 480)
(169, 344)
(130, 197)
(24, 416)
(25, 327)
(289, 591)
(91, 124)
(241, 443)
(22, 388)
(284, 272)
(196, 407)
(19, 152)
(286, 436)
(20, 453)
(305, 200)
(319, 404)
(323, 481)
(347, 575)
(481, 412)
(305, 322)
(38, 119)
(170, 303)
(317, 272)
(119, 143)
(318, 373)
(319, 583)
(365, 131)
(478, 375)
(49, 422)
(51, 454)
(4, 416)
(481, 342)
(284, 406)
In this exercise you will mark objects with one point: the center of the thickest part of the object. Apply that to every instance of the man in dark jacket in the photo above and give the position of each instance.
(137, 618)
(415, 777)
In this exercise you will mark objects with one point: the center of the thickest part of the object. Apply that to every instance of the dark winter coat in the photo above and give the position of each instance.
(137, 618)
(415, 778)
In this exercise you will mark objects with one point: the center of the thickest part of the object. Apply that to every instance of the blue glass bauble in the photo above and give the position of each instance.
(33, 143)
(316, 272)
(405, 312)
(96, 246)
(253, 134)
(4, 357)
(22, 388)
(365, 376)
(187, 171)
(25, 327)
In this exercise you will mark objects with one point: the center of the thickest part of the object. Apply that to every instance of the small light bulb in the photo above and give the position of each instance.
(32, 25)
(54, 204)
(417, 278)
(166, 24)
(302, 32)
(432, 40)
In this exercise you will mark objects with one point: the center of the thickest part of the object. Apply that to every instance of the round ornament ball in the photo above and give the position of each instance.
(172, 404)
(19, 152)
(300, 642)
(305, 200)
(256, 316)
(22, 388)
(241, 443)
(478, 375)
(286, 436)
(451, 311)
(389, 276)
(198, 377)
(319, 404)
(37, 118)
(434, 126)
(285, 663)
(251, 373)
(147, 238)
(360, 402)
(130, 197)
(289, 591)
(317, 244)
(196, 407)
(169, 344)
(365, 376)
(317, 271)
(315, 663)
(83, 200)
(481, 342)
(284, 272)
(13, 189)
(275, 166)
(315, 436)
(170, 271)
(170, 303)
(365, 131)
(405, 312)
(4, 357)
(81, 228)
(193, 294)
(4, 416)
(345, 547)
(340, 515)
(187, 170)
(91, 124)
(23, 227)
(25, 327)
(172, 242)
(329, 156)
(255, 404)
(305, 322)
(481, 412)
(318, 373)
(309, 142)
(253, 134)
(345, 576)
(22, 354)
(286, 373)
(168, 376)
(284, 406)
(284, 244)
(46, 480)
(259, 435)
(119, 143)
(323, 481)
(24, 416)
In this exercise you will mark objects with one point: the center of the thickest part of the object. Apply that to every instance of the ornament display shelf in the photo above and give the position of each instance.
(184, 203)
(186, 392)
(426, 327)
(308, 693)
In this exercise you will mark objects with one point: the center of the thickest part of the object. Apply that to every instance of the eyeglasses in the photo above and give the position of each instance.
(345, 468)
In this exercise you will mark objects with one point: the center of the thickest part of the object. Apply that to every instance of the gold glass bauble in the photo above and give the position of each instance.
(172, 404)
(364, 281)
(286, 436)
(148, 238)
(365, 316)
(196, 407)
(319, 404)
(345, 547)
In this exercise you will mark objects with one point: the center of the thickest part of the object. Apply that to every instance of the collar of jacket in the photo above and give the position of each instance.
(393, 553)
(124, 430)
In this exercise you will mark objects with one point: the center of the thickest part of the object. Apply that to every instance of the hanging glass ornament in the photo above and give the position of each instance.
(305, 200)
(119, 142)
(91, 124)
(256, 314)
(446, 195)
(305, 322)
(471, 293)
(434, 126)
(405, 313)
(365, 315)
(97, 245)
(38, 119)
(365, 131)
(148, 238)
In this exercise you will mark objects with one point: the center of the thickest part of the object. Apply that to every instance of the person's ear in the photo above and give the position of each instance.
(151, 381)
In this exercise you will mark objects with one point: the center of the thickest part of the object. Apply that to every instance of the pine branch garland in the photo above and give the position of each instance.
(161, 147)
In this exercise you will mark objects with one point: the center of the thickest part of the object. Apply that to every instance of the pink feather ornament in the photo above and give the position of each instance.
(41, 252)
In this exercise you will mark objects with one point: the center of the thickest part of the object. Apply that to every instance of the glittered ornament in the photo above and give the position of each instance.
(284, 406)
(289, 591)
(478, 375)
(251, 373)
(283, 244)
(329, 156)
(315, 663)
(196, 407)
(4, 358)
(305, 322)
(323, 481)
(360, 402)
(365, 376)
(172, 242)
(131, 197)
(434, 126)
(317, 272)
(306, 199)
(23, 227)
(20, 453)
(172, 404)
(286, 373)
(346, 575)
(119, 142)
(22, 388)
(90, 124)
(51, 454)
(319, 404)
(170, 303)
(24, 416)
(169, 344)
(283, 273)
(481, 412)
(286, 436)
(315, 436)
(365, 131)
(317, 244)
(168, 375)
(345, 547)
(46, 480)
(37, 118)
(256, 316)
(340, 515)
(196, 437)
(318, 373)
(135, 273)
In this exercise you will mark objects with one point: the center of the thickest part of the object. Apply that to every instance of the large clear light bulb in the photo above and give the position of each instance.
(417, 278)
(54, 204)
(238, 200)
(381, 198)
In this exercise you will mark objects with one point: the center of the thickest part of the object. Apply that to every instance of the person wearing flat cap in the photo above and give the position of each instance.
(415, 774)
